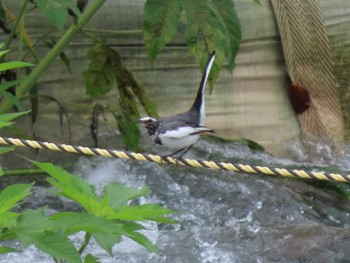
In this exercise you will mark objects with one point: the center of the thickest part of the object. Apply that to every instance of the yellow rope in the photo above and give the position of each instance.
(246, 168)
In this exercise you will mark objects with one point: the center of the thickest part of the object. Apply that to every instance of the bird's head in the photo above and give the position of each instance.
(148, 120)
(150, 123)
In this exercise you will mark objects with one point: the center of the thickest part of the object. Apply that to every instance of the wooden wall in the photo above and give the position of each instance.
(251, 102)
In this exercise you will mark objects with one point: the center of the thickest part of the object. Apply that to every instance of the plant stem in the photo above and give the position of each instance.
(28, 171)
(14, 28)
(85, 243)
(29, 82)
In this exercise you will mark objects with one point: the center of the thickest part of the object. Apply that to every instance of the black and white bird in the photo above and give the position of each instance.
(181, 131)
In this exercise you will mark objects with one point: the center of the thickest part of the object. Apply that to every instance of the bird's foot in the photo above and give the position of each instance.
(166, 159)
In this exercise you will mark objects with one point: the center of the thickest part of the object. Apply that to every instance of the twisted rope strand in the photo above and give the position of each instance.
(245, 168)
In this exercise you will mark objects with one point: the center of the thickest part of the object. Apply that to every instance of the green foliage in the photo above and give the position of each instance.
(35, 228)
(90, 259)
(99, 76)
(230, 27)
(210, 25)
(9, 198)
(4, 86)
(105, 213)
(160, 24)
(14, 64)
(105, 217)
(57, 10)
(104, 71)
(5, 119)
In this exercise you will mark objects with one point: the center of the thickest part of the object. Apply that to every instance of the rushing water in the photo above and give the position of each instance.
(223, 216)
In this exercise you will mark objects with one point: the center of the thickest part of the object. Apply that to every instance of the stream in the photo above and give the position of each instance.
(223, 216)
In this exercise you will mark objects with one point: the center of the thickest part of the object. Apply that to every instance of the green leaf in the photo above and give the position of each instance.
(13, 99)
(139, 238)
(4, 52)
(6, 149)
(72, 187)
(2, 172)
(12, 195)
(8, 84)
(127, 127)
(231, 26)
(58, 246)
(100, 75)
(161, 19)
(57, 10)
(8, 220)
(33, 229)
(72, 222)
(91, 259)
(107, 233)
(118, 194)
(4, 250)
(106, 241)
(150, 212)
(7, 117)
(13, 65)
(204, 34)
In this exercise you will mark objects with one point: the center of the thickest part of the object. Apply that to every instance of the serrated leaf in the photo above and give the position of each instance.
(57, 246)
(13, 65)
(230, 23)
(161, 19)
(138, 237)
(91, 259)
(12, 195)
(31, 223)
(118, 194)
(99, 77)
(33, 229)
(57, 10)
(8, 220)
(72, 222)
(150, 212)
(205, 34)
(72, 187)
(106, 241)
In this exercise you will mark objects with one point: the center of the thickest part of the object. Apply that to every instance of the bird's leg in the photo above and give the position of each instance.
(179, 158)
(186, 150)
(164, 158)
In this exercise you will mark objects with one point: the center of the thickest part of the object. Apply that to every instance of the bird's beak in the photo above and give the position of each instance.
(137, 120)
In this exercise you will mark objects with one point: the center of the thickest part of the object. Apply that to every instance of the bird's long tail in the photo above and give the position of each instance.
(199, 103)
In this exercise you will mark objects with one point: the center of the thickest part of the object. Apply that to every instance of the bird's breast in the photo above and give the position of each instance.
(177, 143)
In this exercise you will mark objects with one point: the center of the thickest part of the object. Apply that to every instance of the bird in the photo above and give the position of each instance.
(181, 131)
